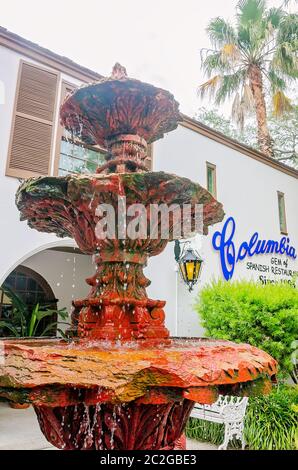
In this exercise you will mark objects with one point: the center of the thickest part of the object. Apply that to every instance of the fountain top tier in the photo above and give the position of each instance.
(122, 115)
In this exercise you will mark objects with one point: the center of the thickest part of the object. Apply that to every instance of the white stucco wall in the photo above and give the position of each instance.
(64, 272)
(248, 190)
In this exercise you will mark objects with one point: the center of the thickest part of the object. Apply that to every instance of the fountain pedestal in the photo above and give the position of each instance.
(120, 427)
(117, 307)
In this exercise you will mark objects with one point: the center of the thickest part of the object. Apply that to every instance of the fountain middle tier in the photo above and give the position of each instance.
(71, 206)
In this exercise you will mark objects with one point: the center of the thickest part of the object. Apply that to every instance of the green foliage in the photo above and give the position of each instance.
(24, 322)
(282, 130)
(218, 122)
(271, 422)
(285, 137)
(264, 316)
(205, 431)
(259, 49)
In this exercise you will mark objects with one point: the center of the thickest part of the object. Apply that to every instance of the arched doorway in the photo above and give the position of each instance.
(32, 289)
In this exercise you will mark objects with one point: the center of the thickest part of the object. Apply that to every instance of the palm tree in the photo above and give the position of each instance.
(259, 51)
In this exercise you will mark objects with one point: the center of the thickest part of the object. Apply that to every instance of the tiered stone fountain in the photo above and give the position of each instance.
(120, 382)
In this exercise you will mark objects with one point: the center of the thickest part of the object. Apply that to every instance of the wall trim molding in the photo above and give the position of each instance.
(210, 133)
(46, 57)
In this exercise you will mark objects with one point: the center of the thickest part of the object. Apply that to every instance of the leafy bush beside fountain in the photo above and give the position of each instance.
(266, 317)
(271, 422)
(263, 316)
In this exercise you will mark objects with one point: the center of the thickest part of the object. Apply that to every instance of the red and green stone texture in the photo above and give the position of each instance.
(120, 381)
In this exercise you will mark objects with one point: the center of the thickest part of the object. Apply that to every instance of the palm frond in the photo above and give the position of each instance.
(62, 333)
(250, 11)
(281, 104)
(274, 16)
(238, 111)
(209, 87)
(229, 85)
(247, 99)
(288, 30)
(276, 81)
(63, 313)
(49, 328)
(244, 37)
(285, 58)
(242, 106)
(33, 321)
(285, 62)
(230, 53)
(221, 32)
(212, 63)
(40, 314)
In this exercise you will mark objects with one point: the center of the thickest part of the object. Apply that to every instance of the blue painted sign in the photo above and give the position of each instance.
(229, 255)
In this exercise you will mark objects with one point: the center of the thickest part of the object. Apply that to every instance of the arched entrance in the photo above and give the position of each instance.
(32, 289)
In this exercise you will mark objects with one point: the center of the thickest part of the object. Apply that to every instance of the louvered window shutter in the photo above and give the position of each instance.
(33, 123)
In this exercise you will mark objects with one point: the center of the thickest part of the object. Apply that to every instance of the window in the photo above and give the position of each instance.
(77, 158)
(282, 213)
(33, 122)
(149, 159)
(211, 178)
(73, 156)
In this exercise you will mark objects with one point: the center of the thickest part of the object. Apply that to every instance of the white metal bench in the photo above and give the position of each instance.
(227, 410)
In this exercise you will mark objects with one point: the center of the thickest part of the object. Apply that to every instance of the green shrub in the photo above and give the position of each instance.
(271, 422)
(265, 316)
(205, 431)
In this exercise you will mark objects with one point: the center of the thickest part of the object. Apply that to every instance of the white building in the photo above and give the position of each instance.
(259, 193)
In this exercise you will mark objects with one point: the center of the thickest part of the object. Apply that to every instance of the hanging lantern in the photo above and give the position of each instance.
(190, 265)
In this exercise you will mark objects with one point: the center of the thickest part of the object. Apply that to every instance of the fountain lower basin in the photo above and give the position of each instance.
(87, 394)
(107, 371)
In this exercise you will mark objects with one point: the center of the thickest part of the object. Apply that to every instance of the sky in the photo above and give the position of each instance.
(158, 41)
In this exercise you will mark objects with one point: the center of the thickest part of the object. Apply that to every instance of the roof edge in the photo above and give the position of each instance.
(207, 131)
(45, 56)
(63, 64)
